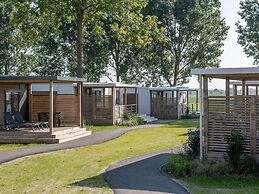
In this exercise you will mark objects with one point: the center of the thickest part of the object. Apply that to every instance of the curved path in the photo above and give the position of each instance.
(95, 138)
(141, 175)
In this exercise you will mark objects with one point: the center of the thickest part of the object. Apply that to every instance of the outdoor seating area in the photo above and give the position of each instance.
(106, 103)
(237, 110)
(33, 116)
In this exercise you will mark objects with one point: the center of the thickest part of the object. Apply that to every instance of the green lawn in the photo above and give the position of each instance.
(222, 185)
(79, 170)
(4, 147)
(95, 128)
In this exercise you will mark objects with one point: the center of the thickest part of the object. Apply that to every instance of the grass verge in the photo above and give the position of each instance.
(80, 170)
(5, 147)
(95, 128)
(222, 185)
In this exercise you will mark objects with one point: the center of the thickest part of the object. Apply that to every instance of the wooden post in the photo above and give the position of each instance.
(30, 100)
(205, 113)
(197, 101)
(253, 126)
(256, 92)
(227, 95)
(125, 96)
(243, 87)
(187, 100)
(177, 104)
(93, 105)
(103, 97)
(51, 99)
(235, 90)
(227, 87)
(113, 105)
(79, 108)
(136, 96)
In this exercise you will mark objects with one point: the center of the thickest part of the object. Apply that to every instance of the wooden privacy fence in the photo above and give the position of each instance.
(97, 109)
(67, 105)
(225, 114)
(164, 107)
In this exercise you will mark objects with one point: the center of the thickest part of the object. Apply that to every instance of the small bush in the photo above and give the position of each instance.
(191, 116)
(192, 146)
(234, 149)
(131, 119)
(208, 168)
(248, 166)
(178, 165)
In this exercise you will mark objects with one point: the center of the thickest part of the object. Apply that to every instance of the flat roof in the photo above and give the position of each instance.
(227, 71)
(39, 79)
(247, 82)
(169, 88)
(109, 85)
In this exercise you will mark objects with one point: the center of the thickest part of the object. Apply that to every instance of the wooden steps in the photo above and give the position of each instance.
(71, 134)
(63, 135)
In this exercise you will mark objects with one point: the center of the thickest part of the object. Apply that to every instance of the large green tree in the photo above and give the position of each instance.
(249, 30)
(15, 57)
(195, 32)
(36, 16)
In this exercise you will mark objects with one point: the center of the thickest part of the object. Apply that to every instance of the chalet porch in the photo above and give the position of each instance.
(106, 103)
(237, 109)
(61, 111)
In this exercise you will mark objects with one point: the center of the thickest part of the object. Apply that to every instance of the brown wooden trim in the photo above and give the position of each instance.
(243, 87)
(113, 105)
(51, 109)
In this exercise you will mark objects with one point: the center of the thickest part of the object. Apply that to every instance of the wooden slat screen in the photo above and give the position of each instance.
(97, 109)
(163, 107)
(231, 113)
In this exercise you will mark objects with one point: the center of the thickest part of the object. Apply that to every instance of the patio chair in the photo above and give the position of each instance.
(12, 124)
(19, 119)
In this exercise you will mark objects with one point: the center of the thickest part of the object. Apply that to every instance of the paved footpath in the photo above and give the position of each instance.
(95, 138)
(142, 175)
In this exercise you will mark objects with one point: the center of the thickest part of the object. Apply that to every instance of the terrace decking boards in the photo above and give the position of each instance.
(60, 135)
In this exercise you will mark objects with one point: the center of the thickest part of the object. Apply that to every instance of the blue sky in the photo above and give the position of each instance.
(233, 55)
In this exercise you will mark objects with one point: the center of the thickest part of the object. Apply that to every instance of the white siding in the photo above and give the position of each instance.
(144, 100)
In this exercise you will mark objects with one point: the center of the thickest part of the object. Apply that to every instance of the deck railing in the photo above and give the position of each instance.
(121, 109)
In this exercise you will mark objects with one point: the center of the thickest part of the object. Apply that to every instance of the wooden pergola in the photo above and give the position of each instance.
(172, 102)
(14, 82)
(222, 114)
(106, 103)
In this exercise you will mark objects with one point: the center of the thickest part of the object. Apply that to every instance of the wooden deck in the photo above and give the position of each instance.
(60, 134)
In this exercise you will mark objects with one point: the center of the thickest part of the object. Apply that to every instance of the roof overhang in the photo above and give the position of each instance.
(109, 85)
(249, 73)
(38, 79)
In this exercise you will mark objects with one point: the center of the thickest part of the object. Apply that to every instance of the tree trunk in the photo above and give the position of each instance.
(79, 41)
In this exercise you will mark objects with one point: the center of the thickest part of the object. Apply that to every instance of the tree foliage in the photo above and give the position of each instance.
(36, 16)
(195, 32)
(249, 30)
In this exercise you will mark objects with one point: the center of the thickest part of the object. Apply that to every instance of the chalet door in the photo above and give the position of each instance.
(12, 99)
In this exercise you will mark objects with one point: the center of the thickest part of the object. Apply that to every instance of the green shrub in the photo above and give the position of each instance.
(191, 116)
(208, 168)
(178, 165)
(192, 145)
(248, 166)
(234, 149)
(131, 119)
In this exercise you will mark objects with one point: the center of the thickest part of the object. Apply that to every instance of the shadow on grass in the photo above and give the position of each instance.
(139, 175)
(92, 182)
